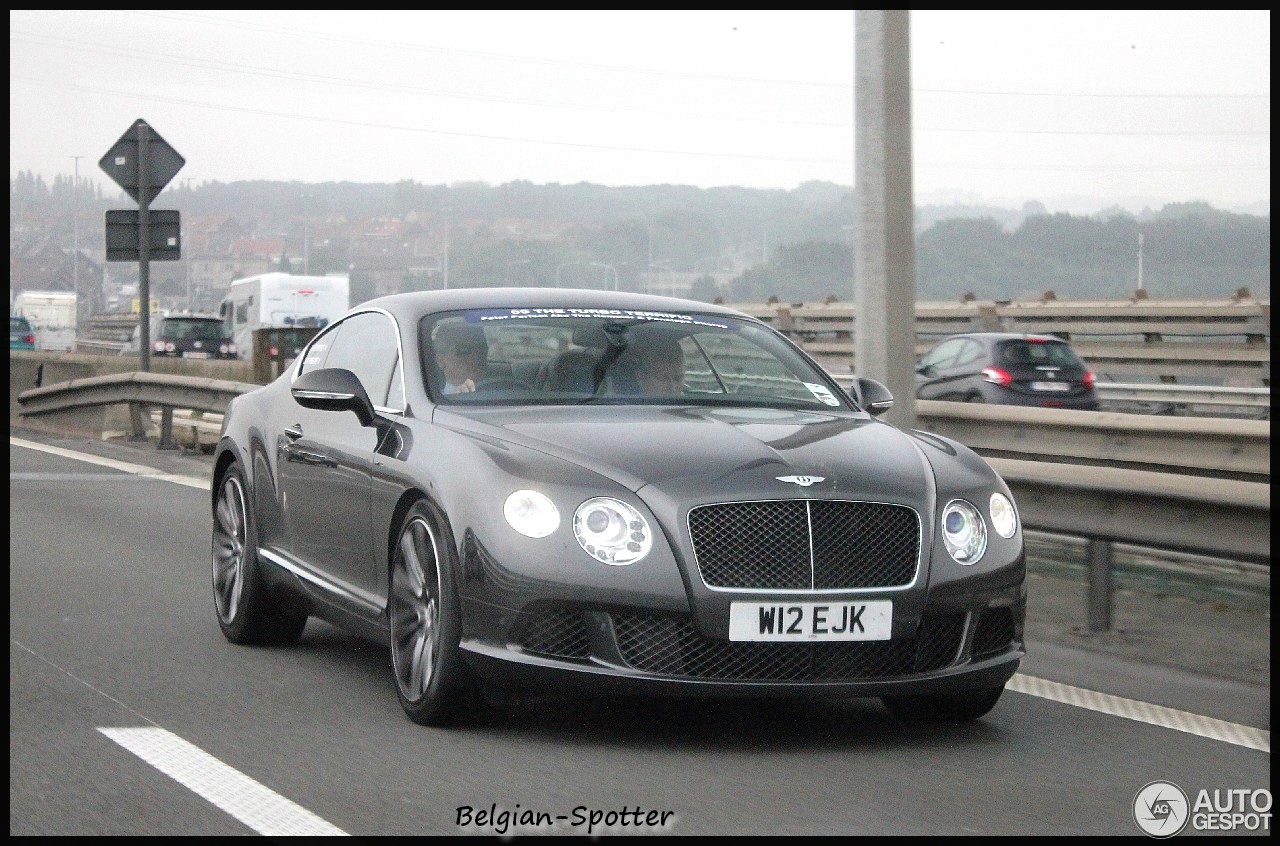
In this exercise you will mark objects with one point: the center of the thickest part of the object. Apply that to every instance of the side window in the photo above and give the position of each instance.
(367, 345)
(319, 351)
(970, 351)
(943, 356)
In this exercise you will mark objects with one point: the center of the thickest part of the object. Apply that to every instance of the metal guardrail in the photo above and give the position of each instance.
(1198, 446)
(140, 391)
(1196, 342)
(1254, 401)
(1187, 396)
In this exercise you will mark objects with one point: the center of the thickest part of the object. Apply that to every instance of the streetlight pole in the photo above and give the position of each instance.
(562, 266)
(75, 234)
(611, 269)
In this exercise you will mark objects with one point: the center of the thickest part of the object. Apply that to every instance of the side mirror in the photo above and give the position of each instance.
(873, 396)
(334, 389)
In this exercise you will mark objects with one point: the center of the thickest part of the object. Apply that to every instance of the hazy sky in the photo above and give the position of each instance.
(1079, 110)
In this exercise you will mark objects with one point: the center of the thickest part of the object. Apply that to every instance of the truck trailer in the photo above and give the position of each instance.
(52, 315)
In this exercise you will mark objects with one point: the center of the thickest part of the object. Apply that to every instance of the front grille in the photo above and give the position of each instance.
(671, 646)
(558, 633)
(805, 544)
(994, 633)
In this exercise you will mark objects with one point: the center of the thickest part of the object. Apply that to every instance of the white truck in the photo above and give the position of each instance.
(52, 315)
(281, 301)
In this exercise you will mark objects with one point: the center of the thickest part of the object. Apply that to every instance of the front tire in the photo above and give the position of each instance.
(248, 611)
(963, 707)
(432, 682)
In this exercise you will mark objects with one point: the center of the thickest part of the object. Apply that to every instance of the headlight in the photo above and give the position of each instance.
(531, 514)
(1003, 518)
(612, 531)
(963, 531)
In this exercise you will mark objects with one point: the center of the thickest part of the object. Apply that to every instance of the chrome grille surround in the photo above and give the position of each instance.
(806, 545)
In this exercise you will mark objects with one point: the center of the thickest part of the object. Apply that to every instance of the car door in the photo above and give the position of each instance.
(325, 461)
(932, 379)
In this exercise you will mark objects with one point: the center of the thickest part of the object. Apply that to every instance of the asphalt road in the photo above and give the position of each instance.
(112, 630)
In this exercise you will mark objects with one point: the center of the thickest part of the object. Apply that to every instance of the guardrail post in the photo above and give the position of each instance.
(1100, 592)
(138, 418)
(166, 430)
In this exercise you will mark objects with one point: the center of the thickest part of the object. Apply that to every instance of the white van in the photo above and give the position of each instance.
(281, 301)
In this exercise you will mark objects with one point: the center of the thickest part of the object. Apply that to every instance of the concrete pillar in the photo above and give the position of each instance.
(885, 266)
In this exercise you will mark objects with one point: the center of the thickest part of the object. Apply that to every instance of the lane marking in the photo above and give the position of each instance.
(1144, 712)
(1092, 700)
(122, 466)
(255, 805)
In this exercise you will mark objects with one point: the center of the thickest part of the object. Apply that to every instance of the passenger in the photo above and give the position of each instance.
(653, 366)
(462, 354)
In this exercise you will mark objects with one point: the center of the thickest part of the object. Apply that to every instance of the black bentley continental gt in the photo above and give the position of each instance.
(558, 489)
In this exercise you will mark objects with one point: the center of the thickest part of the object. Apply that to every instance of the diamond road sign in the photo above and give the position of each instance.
(124, 235)
(162, 163)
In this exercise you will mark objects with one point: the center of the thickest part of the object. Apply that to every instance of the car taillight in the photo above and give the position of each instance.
(158, 346)
(169, 347)
(273, 352)
(231, 348)
(29, 339)
(1089, 378)
(998, 376)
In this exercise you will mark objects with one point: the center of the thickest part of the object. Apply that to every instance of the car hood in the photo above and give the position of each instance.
(699, 453)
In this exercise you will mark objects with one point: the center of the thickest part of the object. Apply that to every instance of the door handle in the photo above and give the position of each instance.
(293, 432)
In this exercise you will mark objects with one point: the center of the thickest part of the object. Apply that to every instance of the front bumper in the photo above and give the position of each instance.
(963, 640)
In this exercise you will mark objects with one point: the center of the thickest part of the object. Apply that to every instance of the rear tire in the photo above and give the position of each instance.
(963, 707)
(248, 611)
(432, 682)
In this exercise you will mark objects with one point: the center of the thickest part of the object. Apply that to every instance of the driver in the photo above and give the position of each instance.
(655, 366)
(462, 354)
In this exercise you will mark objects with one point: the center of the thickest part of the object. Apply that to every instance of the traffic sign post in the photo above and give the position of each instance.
(142, 163)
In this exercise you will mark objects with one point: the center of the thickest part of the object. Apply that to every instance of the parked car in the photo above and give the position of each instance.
(186, 336)
(1004, 368)
(21, 335)
(584, 490)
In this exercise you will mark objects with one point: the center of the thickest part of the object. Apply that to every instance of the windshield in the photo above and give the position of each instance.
(1053, 353)
(191, 329)
(617, 356)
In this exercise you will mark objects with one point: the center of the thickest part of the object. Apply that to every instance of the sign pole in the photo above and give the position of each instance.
(142, 163)
(144, 249)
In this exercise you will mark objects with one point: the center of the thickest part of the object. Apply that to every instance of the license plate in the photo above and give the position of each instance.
(196, 355)
(810, 621)
(1058, 387)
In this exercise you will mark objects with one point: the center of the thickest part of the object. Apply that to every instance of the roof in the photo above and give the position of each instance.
(422, 302)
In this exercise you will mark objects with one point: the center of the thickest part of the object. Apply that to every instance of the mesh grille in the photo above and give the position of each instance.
(994, 632)
(939, 641)
(559, 634)
(672, 646)
(767, 545)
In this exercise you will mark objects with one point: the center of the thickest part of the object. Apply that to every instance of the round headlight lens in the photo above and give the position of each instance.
(1003, 518)
(611, 531)
(531, 514)
(963, 531)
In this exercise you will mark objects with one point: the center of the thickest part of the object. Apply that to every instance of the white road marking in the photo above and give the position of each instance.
(255, 805)
(122, 466)
(1143, 712)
